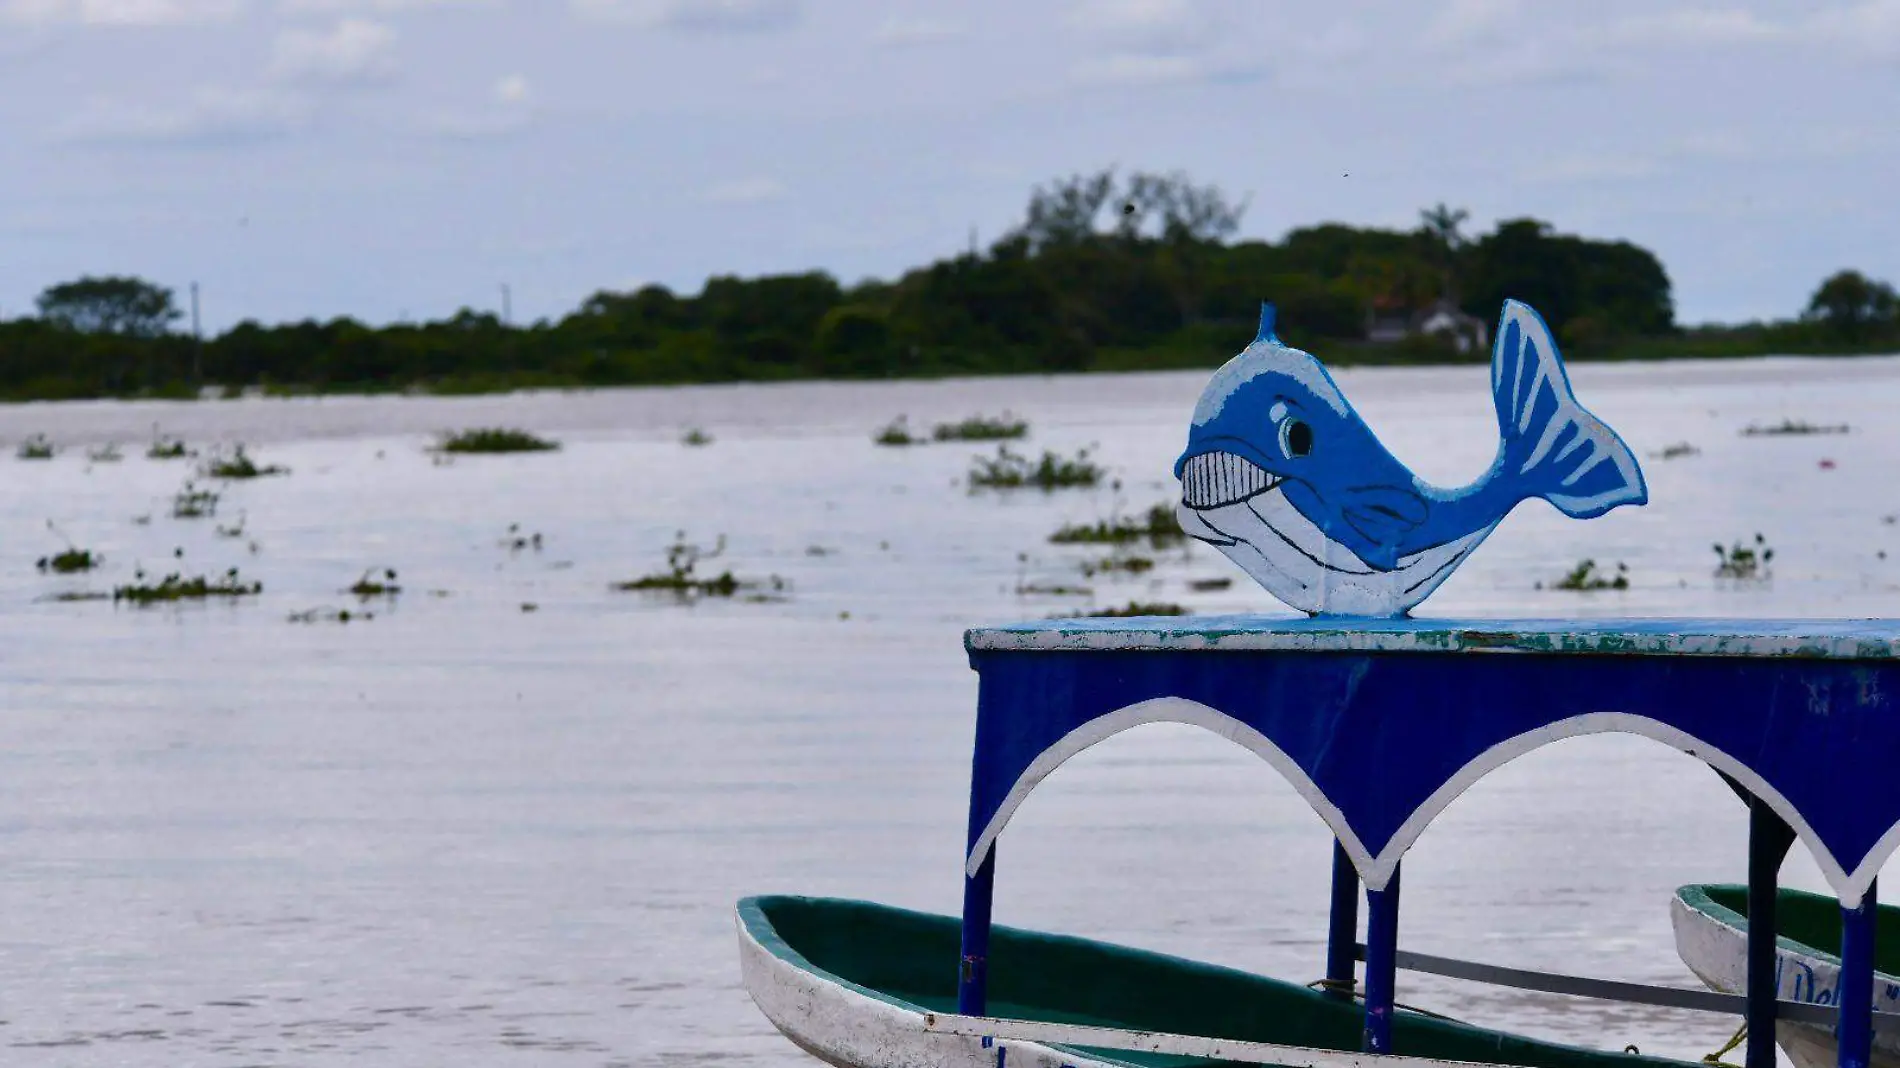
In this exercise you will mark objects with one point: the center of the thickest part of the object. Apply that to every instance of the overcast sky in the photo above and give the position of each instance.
(391, 158)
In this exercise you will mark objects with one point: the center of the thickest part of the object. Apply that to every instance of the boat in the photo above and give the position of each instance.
(1379, 724)
(1711, 928)
(1378, 720)
(859, 985)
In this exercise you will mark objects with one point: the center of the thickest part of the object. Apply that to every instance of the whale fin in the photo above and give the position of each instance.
(1553, 448)
(1267, 317)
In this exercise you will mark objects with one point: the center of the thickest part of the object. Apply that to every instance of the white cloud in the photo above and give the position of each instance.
(382, 7)
(354, 51)
(1871, 28)
(706, 16)
(1463, 23)
(209, 117)
(118, 12)
(899, 33)
(745, 191)
(1590, 167)
(509, 109)
(1696, 26)
(1134, 69)
(1159, 42)
(1147, 25)
(511, 89)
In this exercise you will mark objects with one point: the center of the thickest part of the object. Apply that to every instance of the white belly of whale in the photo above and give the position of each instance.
(1295, 561)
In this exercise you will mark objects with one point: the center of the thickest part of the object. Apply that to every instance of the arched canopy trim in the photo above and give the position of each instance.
(1167, 710)
(1380, 741)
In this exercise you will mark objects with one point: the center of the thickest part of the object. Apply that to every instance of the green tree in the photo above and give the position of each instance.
(131, 307)
(1442, 228)
(1624, 287)
(1855, 306)
(854, 341)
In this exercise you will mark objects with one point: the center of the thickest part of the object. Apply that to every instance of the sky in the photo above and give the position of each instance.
(401, 159)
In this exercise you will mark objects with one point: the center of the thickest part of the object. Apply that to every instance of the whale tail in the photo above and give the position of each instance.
(1552, 447)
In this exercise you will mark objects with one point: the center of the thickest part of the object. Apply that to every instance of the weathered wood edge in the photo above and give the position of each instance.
(1823, 639)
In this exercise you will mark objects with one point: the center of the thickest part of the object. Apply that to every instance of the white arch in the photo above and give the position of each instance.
(1376, 871)
(1165, 710)
(1847, 886)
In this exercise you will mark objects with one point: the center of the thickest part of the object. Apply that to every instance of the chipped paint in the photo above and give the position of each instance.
(1845, 639)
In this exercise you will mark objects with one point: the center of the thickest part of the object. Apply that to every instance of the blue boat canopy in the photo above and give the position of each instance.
(1381, 723)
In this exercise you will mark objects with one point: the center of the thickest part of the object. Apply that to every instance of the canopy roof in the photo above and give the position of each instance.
(1380, 724)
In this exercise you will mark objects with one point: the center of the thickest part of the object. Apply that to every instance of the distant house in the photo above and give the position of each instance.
(1467, 333)
(1388, 322)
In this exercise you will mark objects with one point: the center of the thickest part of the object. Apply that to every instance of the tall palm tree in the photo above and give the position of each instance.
(1441, 225)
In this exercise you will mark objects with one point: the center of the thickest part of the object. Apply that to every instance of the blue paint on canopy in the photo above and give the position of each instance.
(1381, 723)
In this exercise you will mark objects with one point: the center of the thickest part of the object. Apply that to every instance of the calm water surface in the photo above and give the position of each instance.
(464, 832)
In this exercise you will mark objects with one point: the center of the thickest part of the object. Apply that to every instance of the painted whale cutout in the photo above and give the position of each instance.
(1284, 477)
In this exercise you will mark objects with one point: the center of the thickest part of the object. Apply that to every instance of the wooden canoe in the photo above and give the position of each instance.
(861, 985)
(1711, 924)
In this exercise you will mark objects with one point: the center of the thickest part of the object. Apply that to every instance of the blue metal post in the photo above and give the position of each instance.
(1855, 991)
(973, 966)
(1342, 934)
(1769, 837)
(1382, 947)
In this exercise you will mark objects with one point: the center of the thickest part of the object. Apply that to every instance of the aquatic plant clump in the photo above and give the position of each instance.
(175, 587)
(192, 502)
(1053, 589)
(1119, 563)
(695, 438)
(1788, 427)
(1132, 608)
(1012, 470)
(1586, 576)
(164, 448)
(516, 541)
(682, 578)
(1744, 563)
(70, 561)
(1005, 427)
(1157, 525)
(896, 433)
(327, 614)
(1676, 451)
(37, 447)
(105, 454)
(239, 465)
(374, 585)
(493, 439)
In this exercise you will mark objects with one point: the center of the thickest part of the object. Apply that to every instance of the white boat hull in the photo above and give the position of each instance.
(1717, 952)
(847, 1026)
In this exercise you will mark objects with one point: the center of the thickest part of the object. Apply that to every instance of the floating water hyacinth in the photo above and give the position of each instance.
(1286, 479)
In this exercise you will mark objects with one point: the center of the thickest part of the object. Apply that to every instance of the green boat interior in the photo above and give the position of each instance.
(909, 959)
(1805, 922)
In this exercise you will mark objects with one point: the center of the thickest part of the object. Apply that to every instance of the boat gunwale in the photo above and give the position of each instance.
(1696, 897)
(753, 915)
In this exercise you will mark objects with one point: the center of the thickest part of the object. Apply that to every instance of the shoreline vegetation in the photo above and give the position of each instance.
(1105, 272)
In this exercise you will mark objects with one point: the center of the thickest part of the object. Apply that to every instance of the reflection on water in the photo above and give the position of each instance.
(462, 830)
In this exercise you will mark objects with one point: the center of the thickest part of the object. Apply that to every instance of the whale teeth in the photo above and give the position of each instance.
(1213, 479)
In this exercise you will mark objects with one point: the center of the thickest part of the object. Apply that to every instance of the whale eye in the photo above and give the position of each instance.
(1296, 438)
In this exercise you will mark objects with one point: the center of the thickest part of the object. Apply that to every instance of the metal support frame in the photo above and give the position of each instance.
(1382, 945)
(1855, 992)
(1769, 838)
(1342, 933)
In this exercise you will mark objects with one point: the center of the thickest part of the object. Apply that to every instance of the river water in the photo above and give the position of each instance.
(504, 821)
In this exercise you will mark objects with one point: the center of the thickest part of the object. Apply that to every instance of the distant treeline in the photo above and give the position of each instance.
(1104, 272)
